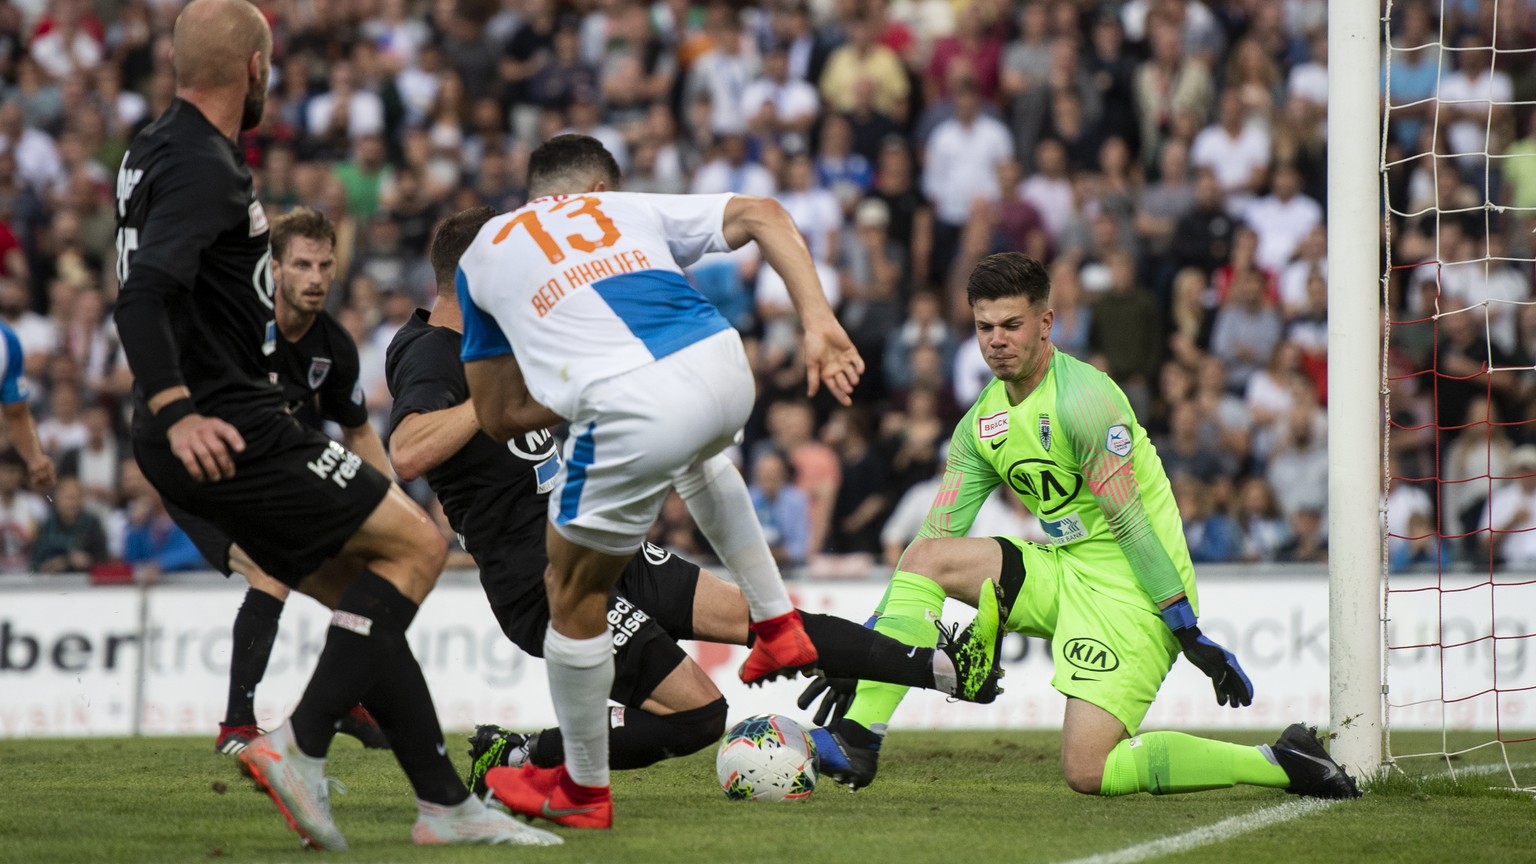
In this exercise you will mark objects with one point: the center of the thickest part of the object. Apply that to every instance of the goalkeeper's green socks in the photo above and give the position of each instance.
(1167, 762)
(908, 614)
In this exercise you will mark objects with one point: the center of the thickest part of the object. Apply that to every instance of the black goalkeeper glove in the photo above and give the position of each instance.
(836, 695)
(1220, 665)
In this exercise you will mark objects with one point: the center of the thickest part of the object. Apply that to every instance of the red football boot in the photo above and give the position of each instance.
(781, 650)
(550, 793)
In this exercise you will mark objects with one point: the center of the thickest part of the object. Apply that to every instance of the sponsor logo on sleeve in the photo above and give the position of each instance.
(1118, 440)
(258, 219)
(993, 426)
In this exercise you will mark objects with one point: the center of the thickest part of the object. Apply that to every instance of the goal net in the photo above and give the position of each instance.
(1458, 374)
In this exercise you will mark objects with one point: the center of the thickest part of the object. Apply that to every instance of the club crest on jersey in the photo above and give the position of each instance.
(319, 367)
(1045, 431)
(1118, 440)
(994, 426)
(258, 219)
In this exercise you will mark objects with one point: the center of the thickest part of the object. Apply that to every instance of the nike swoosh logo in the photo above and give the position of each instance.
(1331, 769)
(1079, 677)
(442, 749)
(913, 652)
(549, 812)
(999, 442)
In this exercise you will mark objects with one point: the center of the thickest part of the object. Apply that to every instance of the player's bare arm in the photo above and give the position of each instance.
(503, 405)
(424, 441)
(830, 357)
(364, 441)
(22, 428)
(205, 445)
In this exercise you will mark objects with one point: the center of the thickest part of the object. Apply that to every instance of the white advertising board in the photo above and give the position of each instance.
(70, 661)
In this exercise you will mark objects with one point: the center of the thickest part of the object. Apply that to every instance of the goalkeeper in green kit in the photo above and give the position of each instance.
(1113, 589)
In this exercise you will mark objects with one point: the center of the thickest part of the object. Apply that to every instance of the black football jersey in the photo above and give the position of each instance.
(494, 495)
(319, 375)
(195, 267)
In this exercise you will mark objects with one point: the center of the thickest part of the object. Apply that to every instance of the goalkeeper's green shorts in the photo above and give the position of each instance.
(1105, 651)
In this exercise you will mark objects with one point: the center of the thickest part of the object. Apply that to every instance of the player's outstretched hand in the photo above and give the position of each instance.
(836, 695)
(40, 474)
(206, 446)
(831, 359)
(1220, 665)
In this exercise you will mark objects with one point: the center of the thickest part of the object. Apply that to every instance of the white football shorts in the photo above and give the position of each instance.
(634, 434)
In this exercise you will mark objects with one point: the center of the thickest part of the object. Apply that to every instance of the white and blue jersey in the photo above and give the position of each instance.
(13, 385)
(586, 287)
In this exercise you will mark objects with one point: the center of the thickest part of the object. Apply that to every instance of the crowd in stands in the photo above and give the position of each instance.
(1164, 158)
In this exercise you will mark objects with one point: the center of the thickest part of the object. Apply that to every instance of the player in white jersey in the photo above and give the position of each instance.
(585, 286)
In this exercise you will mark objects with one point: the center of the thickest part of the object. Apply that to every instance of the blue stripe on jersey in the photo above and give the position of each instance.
(482, 336)
(13, 388)
(583, 452)
(661, 309)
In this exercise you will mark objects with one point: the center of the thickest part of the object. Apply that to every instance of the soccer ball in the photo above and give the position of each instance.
(768, 757)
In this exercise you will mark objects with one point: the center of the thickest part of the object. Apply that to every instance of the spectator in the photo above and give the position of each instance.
(730, 171)
(961, 159)
(1212, 536)
(911, 216)
(1308, 543)
(71, 539)
(817, 471)
(1298, 467)
(1246, 331)
(1470, 95)
(63, 429)
(782, 508)
(1510, 520)
(1282, 219)
(861, 504)
(1170, 84)
(778, 105)
(863, 58)
(1235, 151)
(723, 74)
(345, 113)
(1258, 518)
(22, 513)
(151, 541)
(1126, 331)
(1190, 448)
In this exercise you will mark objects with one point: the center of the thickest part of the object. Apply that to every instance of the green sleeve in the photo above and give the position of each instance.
(968, 481)
(1090, 406)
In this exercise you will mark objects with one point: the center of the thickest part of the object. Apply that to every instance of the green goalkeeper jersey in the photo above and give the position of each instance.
(1075, 455)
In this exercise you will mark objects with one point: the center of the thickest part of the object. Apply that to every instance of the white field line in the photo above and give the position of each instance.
(1233, 826)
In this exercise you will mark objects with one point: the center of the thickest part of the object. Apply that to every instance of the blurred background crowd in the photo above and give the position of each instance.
(1165, 158)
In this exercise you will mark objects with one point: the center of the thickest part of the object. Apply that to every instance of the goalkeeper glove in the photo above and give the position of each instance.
(1220, 665)
(836, 695)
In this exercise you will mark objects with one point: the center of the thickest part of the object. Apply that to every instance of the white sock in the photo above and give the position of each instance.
(580, 676)
(718, 499)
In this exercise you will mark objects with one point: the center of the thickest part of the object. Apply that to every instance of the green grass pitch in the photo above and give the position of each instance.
(943, 797)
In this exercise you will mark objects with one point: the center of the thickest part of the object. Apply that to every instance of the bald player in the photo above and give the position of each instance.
(196, 318)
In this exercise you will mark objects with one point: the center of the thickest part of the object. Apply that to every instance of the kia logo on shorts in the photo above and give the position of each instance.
(1090, 655)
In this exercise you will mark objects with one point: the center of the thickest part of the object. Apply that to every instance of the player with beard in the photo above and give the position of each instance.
(317, 367)
(496, 498)
(196, 319)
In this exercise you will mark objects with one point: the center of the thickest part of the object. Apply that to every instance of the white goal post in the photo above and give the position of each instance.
(1355, 511)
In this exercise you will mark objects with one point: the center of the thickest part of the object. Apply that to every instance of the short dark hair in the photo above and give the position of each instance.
(452, 236)
(567, 159)
(1009, 274)
(300, 222)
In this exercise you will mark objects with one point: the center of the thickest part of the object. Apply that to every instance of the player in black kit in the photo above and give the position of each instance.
(495, 497)
(317, 367)
(196, 319)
